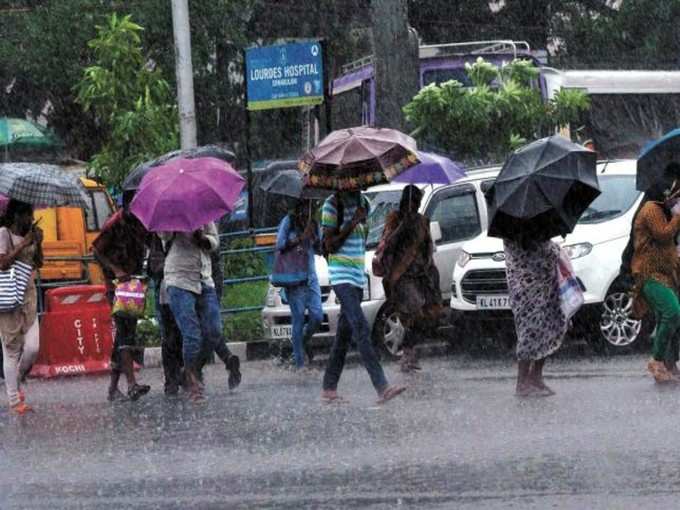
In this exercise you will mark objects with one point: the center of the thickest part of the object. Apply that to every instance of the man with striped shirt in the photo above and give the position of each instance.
(343, 218)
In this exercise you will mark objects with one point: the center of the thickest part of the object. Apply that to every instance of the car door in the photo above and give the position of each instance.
(457, 212)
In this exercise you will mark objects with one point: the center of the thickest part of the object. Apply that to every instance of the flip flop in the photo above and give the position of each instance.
(390, 392)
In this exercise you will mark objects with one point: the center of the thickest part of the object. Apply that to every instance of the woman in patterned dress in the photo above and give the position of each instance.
(534, 298)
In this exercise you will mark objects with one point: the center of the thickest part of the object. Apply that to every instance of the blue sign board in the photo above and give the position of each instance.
(284, 75)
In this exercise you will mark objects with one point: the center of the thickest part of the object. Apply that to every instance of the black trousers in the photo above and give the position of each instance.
(171, 347)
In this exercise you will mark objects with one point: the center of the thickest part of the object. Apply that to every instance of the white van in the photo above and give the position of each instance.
(457, 212)
(595, 247)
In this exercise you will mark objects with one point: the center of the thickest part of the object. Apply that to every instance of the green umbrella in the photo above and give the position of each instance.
(21, 133)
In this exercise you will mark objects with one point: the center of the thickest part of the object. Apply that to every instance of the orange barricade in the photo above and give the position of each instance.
(76, 334)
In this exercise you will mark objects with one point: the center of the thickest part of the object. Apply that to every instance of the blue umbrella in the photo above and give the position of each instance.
(655, 157)
(432, 169)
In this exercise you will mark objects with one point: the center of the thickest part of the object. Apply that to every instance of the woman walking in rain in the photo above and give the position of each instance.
(20, 240)
(535, 302)
(121, 249)
(655, 266)
(411, 279)
(298, 231)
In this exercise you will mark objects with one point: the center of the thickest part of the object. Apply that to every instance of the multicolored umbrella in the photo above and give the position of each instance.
(134, 178)
(432, 169)
(21, 133)
(185, 194)
(41, 185)
(357, 158)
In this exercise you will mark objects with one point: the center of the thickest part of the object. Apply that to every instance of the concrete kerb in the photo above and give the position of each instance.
(259, 350)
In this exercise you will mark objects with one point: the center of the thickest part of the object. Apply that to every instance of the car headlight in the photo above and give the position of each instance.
(463, 258)
(271, 296)
(576, 251)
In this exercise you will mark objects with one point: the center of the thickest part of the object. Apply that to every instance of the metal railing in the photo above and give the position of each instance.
(43, 285)
(254, 250)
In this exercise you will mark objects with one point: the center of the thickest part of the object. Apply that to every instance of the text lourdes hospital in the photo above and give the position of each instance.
(292, 71)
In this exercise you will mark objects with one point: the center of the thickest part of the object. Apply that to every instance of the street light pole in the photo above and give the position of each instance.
(184, 72)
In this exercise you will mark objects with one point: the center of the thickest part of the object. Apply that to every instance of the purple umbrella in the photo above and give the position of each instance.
(185, 194)
(432, 169)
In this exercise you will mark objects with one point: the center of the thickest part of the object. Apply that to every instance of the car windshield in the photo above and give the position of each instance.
(382, 202)
(618, 196)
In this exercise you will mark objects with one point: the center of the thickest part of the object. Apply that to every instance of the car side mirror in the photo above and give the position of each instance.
(435, 232)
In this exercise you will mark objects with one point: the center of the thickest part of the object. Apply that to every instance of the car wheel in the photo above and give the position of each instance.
(618, 330)
(388, 333)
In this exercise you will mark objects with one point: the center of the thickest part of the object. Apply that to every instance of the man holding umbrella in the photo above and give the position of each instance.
(347, 161)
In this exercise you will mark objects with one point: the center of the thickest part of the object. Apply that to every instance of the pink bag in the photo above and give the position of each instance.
(130, 298)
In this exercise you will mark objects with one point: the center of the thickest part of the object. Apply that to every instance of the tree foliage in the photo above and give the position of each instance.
(130, 99)
(499, 112)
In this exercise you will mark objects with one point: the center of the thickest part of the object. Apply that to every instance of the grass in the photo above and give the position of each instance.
(244, 326)
(238, 327)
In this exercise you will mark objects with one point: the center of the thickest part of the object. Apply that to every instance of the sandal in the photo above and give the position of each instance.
(21, 408)
(137, 391)
(659, 372)
(390, 392)
(332, 397)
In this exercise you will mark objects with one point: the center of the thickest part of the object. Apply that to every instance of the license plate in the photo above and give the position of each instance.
(282, 331)
(493, 302)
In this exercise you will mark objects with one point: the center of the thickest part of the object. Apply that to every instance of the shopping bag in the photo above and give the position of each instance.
(13, 284)
(130, 298)
(571, 293)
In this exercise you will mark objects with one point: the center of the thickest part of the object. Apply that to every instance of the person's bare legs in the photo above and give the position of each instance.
(536, 377)
(524, 387)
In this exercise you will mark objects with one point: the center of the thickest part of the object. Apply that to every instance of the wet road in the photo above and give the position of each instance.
(458, 439)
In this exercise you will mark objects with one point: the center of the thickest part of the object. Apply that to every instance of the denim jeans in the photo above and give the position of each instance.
(301, 298)
(352, 325)
(199, 321)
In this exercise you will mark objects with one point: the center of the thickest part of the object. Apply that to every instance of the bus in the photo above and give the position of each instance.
(353, 92)
(628, 108)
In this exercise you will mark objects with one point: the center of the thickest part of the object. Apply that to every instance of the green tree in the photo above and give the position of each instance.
(501, 111)
(130, 100)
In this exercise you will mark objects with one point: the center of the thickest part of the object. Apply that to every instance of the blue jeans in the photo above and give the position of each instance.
(352, 325)
(301, 298)
(199, 321)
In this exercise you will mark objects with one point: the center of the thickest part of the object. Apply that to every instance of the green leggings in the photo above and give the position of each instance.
(664, 302)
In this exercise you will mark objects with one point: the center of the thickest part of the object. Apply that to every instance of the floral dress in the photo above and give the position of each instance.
(534, 298)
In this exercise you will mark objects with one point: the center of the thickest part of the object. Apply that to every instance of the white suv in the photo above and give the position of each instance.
(595, 246)
(457, 212)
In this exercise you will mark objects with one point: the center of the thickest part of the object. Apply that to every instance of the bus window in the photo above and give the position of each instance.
(439, 76)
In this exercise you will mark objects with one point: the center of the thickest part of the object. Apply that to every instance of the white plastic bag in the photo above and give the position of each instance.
(571, 294)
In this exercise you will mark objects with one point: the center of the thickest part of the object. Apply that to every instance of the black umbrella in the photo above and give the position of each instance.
(289, 183)
(542, 190)
(134, 178)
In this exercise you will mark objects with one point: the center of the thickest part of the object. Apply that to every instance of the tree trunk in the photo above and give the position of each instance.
(395, 60)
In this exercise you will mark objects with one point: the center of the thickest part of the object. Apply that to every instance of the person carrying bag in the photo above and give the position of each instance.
(297, 243)
(20, 254)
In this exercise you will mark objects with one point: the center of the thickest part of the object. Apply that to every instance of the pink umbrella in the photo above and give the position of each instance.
(185, 194)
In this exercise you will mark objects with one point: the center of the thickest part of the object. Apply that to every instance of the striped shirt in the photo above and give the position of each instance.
(347, 264)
